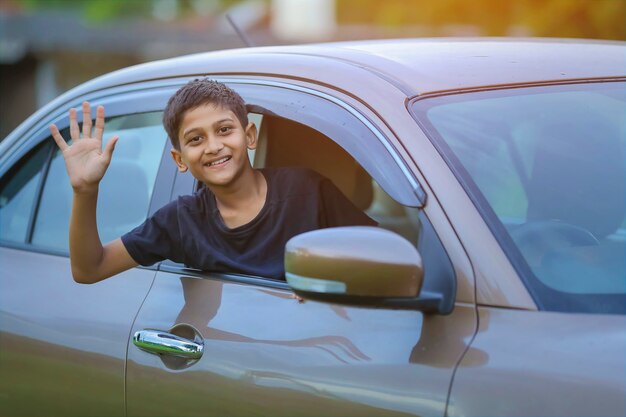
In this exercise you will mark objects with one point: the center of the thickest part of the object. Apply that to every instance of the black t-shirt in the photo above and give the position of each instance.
(190, 230)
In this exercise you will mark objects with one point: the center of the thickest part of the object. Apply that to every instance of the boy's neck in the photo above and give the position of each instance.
(241, 201)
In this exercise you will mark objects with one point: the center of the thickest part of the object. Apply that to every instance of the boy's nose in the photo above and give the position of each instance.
(213, 145)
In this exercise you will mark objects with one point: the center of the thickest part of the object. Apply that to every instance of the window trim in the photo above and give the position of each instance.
(117, 101)
(180, 269)
(43, 171)
(38, 194)
(417, 192)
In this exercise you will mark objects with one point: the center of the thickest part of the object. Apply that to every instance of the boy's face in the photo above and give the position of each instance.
(213, 145)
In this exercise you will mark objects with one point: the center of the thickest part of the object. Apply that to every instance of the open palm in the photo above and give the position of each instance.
(85, 160)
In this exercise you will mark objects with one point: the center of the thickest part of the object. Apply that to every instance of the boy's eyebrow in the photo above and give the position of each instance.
(227, 119)
(190, 130)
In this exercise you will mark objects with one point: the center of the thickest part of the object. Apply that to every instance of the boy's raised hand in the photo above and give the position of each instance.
(85, 160)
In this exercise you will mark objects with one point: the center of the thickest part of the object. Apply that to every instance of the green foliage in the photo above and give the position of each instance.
(94, 10)
(102, 10)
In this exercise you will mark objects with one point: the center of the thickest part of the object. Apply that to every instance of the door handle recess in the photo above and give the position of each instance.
(163, 343)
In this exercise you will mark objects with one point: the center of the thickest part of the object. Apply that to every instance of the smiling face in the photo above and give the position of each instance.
(213, 146)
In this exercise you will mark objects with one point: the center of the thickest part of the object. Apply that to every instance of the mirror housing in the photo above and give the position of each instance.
(357, 265)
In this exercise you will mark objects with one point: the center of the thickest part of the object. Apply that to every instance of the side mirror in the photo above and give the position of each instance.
(359, 265)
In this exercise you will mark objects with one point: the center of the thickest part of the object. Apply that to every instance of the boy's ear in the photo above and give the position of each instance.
(251, 136)
(178, 159)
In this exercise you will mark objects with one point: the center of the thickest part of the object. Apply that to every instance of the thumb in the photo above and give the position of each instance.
(110, 147)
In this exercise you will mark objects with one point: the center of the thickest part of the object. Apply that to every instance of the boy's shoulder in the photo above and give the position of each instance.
(283, 181)
(289, 182)
(295, 175)
(198, 201)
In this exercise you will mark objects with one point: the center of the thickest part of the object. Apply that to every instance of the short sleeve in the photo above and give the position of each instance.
(158, 238)
(337, 210)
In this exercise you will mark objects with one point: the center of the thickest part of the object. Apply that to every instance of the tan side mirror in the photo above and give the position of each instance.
(355, 265)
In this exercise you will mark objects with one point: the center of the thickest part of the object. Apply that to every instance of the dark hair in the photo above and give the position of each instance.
(197, 93)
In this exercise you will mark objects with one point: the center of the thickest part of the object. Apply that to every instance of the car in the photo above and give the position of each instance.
(494, 284)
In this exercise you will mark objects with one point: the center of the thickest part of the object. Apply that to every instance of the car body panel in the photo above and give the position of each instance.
(63, 344)
(543, 363)
(268, 354)
(423, 67)
(450, 65)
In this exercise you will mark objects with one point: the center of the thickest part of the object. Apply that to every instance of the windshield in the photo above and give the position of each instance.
(546, 168)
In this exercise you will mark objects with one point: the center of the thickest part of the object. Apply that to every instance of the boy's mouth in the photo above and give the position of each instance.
(218, 162)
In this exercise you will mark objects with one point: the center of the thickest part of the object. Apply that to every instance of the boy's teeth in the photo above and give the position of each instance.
(218, 162)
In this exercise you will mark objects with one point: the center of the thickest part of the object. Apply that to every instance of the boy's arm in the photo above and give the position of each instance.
(86, 163)
(91, 262)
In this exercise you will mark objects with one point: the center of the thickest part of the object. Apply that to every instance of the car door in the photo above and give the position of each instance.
(265, 352)
(62, 344)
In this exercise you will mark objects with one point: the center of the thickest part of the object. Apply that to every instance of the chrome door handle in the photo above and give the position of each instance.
(164, 343)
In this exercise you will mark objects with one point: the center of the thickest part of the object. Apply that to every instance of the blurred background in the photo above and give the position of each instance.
(50, 46)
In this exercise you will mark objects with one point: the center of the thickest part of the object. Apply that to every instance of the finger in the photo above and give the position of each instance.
(109, 148)
(74, 131)
(97, 134)
(86, 120)
(56, 135)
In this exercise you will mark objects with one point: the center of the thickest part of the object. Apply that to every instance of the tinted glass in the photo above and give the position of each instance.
(352, 132)
(547, 166)
(125, 190)
(18, 191)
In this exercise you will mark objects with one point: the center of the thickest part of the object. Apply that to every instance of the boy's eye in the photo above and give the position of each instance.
(224, 129)
(195, 139)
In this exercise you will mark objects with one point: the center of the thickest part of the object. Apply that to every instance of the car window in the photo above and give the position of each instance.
(18, 192)
(547, 166)
(363, 170)
(125, 191)
(298, 142)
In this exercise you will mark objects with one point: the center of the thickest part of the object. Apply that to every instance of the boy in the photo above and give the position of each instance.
(239, 222)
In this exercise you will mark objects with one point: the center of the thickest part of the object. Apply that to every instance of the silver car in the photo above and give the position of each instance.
(495, 284)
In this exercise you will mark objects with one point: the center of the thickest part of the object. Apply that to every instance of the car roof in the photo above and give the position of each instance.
(416, 66)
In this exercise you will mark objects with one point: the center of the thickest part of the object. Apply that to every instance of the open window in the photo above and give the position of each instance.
(299, 129)
(303, 129)
(283, 142)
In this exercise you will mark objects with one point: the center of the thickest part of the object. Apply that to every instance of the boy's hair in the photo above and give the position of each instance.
(197, 93)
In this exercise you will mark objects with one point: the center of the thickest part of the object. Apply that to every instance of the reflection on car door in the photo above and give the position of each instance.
(265, 353)
(62, 343)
